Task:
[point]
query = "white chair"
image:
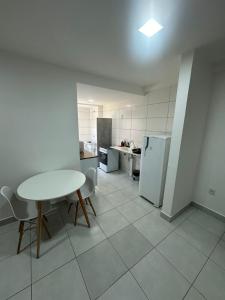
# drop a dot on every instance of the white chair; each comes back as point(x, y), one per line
point(23, 211)
point(87, 190)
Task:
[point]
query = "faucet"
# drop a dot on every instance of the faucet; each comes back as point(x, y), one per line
point(132, 145)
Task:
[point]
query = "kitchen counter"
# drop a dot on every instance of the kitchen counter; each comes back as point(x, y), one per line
point(88, 155)
point(126, 150)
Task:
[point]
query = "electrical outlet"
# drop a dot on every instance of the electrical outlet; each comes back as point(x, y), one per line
point(212, 192)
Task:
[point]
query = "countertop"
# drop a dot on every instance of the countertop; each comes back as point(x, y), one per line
point(125, 150)
point(87, 155)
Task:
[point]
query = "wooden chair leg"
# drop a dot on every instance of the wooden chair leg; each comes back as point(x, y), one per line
point(69, 208)
point(46, 228)
point(39, 227)
point(76, 213)
point(89, 200)
point(21, 230)
point(45, 218)
point(83, 207)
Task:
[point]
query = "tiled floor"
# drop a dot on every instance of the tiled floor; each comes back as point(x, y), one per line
point(129, 253)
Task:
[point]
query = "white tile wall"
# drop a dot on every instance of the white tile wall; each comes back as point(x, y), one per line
point(87, 116)
point(151, 115)
point(156, 124)
point(158, 110)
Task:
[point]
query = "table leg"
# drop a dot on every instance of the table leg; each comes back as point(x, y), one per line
point(39, 227)
point(83, 207)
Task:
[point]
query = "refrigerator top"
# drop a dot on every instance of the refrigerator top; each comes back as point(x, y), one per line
point(164, 137)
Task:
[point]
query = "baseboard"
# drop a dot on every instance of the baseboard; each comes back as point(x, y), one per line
point(171, 218)
point(165, 216)
point(209, 211)
point(7, 221)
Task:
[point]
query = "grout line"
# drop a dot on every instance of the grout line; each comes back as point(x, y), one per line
point(68, 236)
point(192, 285)
point(190, 243)
point(23, 289)
point(196, 223)
point(129, 269)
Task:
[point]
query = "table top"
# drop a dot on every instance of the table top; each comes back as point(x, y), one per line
point(51, 185)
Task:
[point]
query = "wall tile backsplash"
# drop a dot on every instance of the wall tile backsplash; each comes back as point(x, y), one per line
point(87, 115)
point(153, 115)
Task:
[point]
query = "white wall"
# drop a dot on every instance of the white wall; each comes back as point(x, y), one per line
point(38, 121)
point(152, 114)
point(192, 102)
point(211, 174)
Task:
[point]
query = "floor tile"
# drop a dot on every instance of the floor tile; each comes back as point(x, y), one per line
point(131, 245)
point(193, 294)
point(223, 237)
point(55, 222)
point(23, 295)
point(9, 227)
point(101, 205)
point(210, 282)
point(197, 236)
point(111, 222)
point(106, 188)
point(126, 288)
point(218, 255)
point(54, 253)
point(159, 279)
point(132, 211)
point(15, 274)
point(10, 242)
point(117, 198)
point(122, 183)
point(208, 222)
point(146, 205)
point(153, 227)
point(101, 266)
point(130, 192)
point(64, 283)
point(184, 216)
point(68, 219)
point(186, 258)
point(84, 238)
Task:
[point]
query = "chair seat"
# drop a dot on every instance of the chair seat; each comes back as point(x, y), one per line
point(86, 191)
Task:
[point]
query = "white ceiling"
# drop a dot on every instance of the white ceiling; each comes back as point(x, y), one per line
point(101, 36)
point(102, 96)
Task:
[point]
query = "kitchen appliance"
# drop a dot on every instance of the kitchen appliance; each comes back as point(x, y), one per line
point(104, 132)
point(108, 159)
point(154, 160)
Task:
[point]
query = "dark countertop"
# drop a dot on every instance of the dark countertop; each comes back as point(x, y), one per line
point(88, 155)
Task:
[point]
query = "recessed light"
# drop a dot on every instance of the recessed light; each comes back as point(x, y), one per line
point(90, 100)
point(150, 28)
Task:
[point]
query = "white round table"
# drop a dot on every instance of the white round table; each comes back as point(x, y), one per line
point(51, 185)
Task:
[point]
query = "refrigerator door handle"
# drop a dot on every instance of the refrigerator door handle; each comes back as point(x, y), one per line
point(147, 143)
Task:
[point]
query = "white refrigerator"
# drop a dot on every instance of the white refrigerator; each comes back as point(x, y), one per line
point(154, 160)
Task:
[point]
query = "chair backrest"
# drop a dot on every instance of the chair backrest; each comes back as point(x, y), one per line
point(92, 175)
point(8, 195)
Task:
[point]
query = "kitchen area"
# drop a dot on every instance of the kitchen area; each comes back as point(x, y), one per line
point(124, 136)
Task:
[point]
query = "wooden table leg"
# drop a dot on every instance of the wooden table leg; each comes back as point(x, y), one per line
point(83, 207)
point(39, 227)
